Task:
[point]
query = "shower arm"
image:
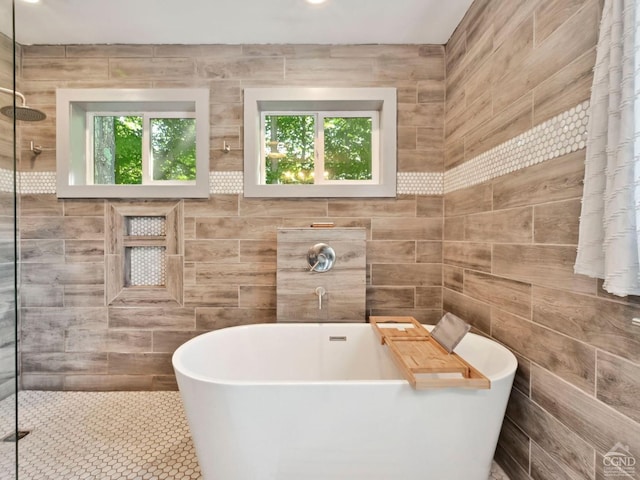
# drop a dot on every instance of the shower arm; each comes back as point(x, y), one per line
point(17, 94)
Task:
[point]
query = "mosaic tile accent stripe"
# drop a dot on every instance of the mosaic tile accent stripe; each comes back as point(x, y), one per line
point(226, 182)
point(37, 182)
point(557, 136)
point(6, 180)
point(45, 182)
point(419, 183)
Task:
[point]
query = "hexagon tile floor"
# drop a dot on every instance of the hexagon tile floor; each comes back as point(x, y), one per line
point(104, 436)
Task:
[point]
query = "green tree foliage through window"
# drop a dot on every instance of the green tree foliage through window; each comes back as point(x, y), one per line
point(118, 152)
point(290, 143)
point(173, 144)
point(128, 142)
point(347, 148)
point(290, 150)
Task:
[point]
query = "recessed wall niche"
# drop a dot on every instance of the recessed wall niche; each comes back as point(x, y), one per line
point(144, 253)
point(145, 264)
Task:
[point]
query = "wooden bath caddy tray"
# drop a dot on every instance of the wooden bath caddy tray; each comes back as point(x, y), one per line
point(420, 356)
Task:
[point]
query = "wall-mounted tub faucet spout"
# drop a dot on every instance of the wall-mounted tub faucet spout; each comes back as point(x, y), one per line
point(320, 291)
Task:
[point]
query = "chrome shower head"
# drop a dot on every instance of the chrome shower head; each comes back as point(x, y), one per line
point(22, 112)
point(25, 113)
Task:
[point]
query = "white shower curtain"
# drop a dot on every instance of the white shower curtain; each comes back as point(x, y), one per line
point(610, 219)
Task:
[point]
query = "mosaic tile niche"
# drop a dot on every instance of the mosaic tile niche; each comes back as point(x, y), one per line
point(144, 252)
point(147, 265)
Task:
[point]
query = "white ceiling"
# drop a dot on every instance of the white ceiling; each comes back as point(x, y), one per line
point(233, 21)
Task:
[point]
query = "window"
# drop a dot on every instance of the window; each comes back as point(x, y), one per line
point(312, 142)
point(319, 148)
point(141, 148)
point(133, 143)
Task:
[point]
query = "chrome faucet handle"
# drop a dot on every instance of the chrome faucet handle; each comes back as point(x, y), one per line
point(321, 258)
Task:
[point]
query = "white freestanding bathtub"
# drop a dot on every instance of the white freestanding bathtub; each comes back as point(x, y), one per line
point(326, 402)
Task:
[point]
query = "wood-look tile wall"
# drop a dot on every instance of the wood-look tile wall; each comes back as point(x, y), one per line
point(8, 316)
point(509, 244)
point(73, 340)
point(344, 284)
point(7, 299)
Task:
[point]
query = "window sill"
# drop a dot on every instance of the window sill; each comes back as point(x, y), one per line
point(200, 190)
point(388, 189)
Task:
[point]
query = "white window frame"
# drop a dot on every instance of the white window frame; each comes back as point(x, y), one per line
point(74, 137)
point(378, 103)
point(147, 155)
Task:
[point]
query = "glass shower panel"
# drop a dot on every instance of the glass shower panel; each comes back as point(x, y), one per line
point(8, 314)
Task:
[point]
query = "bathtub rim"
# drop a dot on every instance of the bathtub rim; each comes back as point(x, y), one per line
point(178, 365)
